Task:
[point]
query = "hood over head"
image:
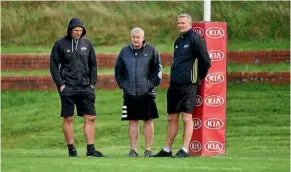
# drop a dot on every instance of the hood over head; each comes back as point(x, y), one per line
point(75, 22)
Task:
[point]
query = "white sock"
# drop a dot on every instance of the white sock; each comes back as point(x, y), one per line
point(185, 149)
point(166, 149)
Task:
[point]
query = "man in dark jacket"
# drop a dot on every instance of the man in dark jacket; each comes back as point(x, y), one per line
point(190, 66)
point(73, 68)
point(138, 72)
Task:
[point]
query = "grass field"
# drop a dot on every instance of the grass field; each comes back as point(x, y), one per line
point(231, 68)
point(234, 45)
point(257, 134)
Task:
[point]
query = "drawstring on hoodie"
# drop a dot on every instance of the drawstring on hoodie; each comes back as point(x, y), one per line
point(76, 42)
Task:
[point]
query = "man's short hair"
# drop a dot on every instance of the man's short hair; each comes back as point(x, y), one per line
point(136, 30)
point(185, 15)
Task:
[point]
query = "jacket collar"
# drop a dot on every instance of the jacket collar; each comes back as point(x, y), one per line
point(182, 35)
point(143, 45)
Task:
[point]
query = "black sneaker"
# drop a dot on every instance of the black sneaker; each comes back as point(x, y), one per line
point(132, 153)
point(94, 154)
point(148, 153)
point(181, 154)
point(73, 153)
point(162, 153)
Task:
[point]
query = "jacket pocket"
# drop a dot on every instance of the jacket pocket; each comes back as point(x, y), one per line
point(89, 89)
point(121, 84)
point(66, 91)
point(144, 87)
point(125, 86)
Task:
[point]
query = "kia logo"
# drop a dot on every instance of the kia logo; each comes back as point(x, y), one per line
point(215, 32)
point(216, 55)
point(213, 123)
point(195, 146)
point(196, 123)
point(214, 101)
point(214, 78)
point(213, 146)
point(198, 100)
point(199, 30)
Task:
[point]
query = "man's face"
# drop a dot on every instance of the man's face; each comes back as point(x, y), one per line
point(183, 24)
point(77, 32)
point(137, 39)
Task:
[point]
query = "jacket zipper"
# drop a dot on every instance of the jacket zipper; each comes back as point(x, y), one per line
point(63, 73)
point(63, 76)
point(135, 74)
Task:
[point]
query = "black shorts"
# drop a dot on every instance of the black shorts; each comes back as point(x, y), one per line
point(139, 109)
point(181, 98)
point(84, 101)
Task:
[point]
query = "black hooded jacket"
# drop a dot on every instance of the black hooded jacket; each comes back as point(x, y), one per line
point(73, 62)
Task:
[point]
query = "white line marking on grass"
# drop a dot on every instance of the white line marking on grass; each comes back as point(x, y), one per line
point(163, 166)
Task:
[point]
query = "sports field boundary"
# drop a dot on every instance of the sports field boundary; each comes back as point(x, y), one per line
point(41, 61)
point(23, 83)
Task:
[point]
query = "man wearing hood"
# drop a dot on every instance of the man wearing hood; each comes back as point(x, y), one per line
point(73, 68)
point(138, 71)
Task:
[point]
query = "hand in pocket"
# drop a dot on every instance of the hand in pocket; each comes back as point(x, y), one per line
point(62, 88)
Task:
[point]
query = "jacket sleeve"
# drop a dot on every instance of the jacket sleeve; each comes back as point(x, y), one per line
point(92, 64)
point(55, 63)
point(204, 62)
point(118, 71)
point(156, 76)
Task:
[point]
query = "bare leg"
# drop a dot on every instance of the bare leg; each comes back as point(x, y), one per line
point(89, 128)
point(149, 133)
point(173, 124)
point(68, 129)
point(188, 129)
point(133, 133)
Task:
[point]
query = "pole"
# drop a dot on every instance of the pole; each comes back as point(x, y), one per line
point(207, 10)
